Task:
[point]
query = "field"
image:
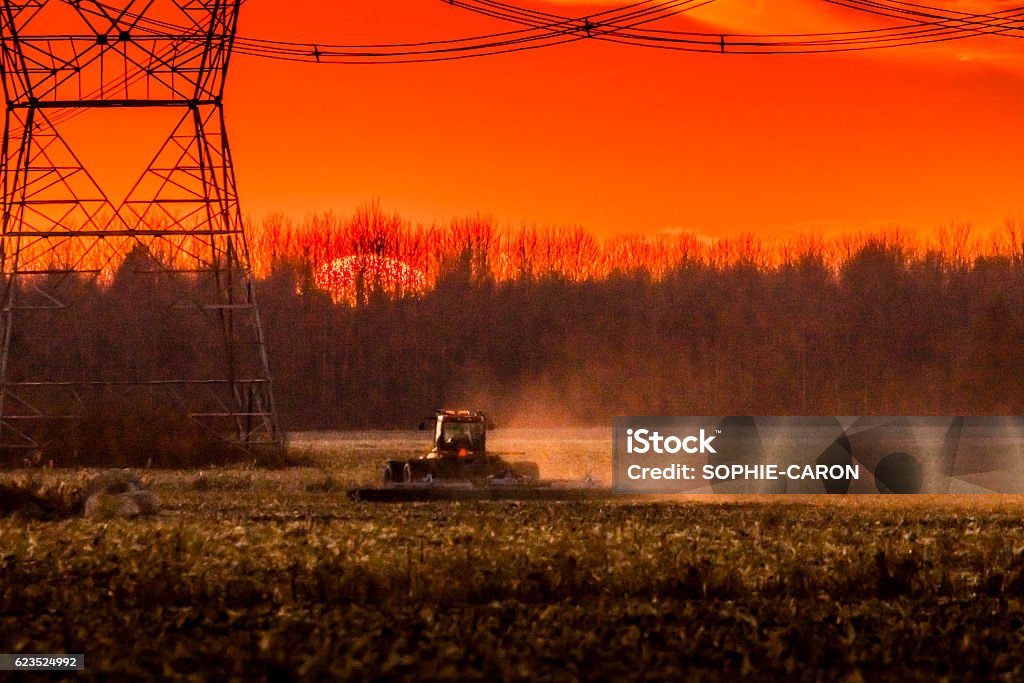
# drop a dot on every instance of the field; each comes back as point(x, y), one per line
point(272, 574)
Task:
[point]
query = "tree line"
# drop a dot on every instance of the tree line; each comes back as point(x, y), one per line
point(884, 333)
point(559, 327)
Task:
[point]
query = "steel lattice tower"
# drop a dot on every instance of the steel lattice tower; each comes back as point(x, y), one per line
point(60, 229)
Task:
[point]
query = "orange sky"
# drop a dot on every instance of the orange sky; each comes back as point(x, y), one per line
point(614, 138)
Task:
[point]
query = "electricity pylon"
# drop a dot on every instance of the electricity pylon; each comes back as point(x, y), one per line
point(62, 233)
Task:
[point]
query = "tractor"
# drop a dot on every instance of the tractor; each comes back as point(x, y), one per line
point(459, 454)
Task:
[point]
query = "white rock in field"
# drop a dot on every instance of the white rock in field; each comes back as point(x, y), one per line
point(119, 493)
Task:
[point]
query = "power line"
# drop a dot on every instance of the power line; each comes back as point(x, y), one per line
point(622, 25)
point(557, 30)
point(929, 25)
point(628, 25)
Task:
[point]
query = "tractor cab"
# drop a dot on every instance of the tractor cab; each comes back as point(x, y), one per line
point(458, 434)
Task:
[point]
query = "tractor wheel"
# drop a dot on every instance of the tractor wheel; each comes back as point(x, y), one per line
point(529, 470)
point(415, 471)
point(394, 472)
